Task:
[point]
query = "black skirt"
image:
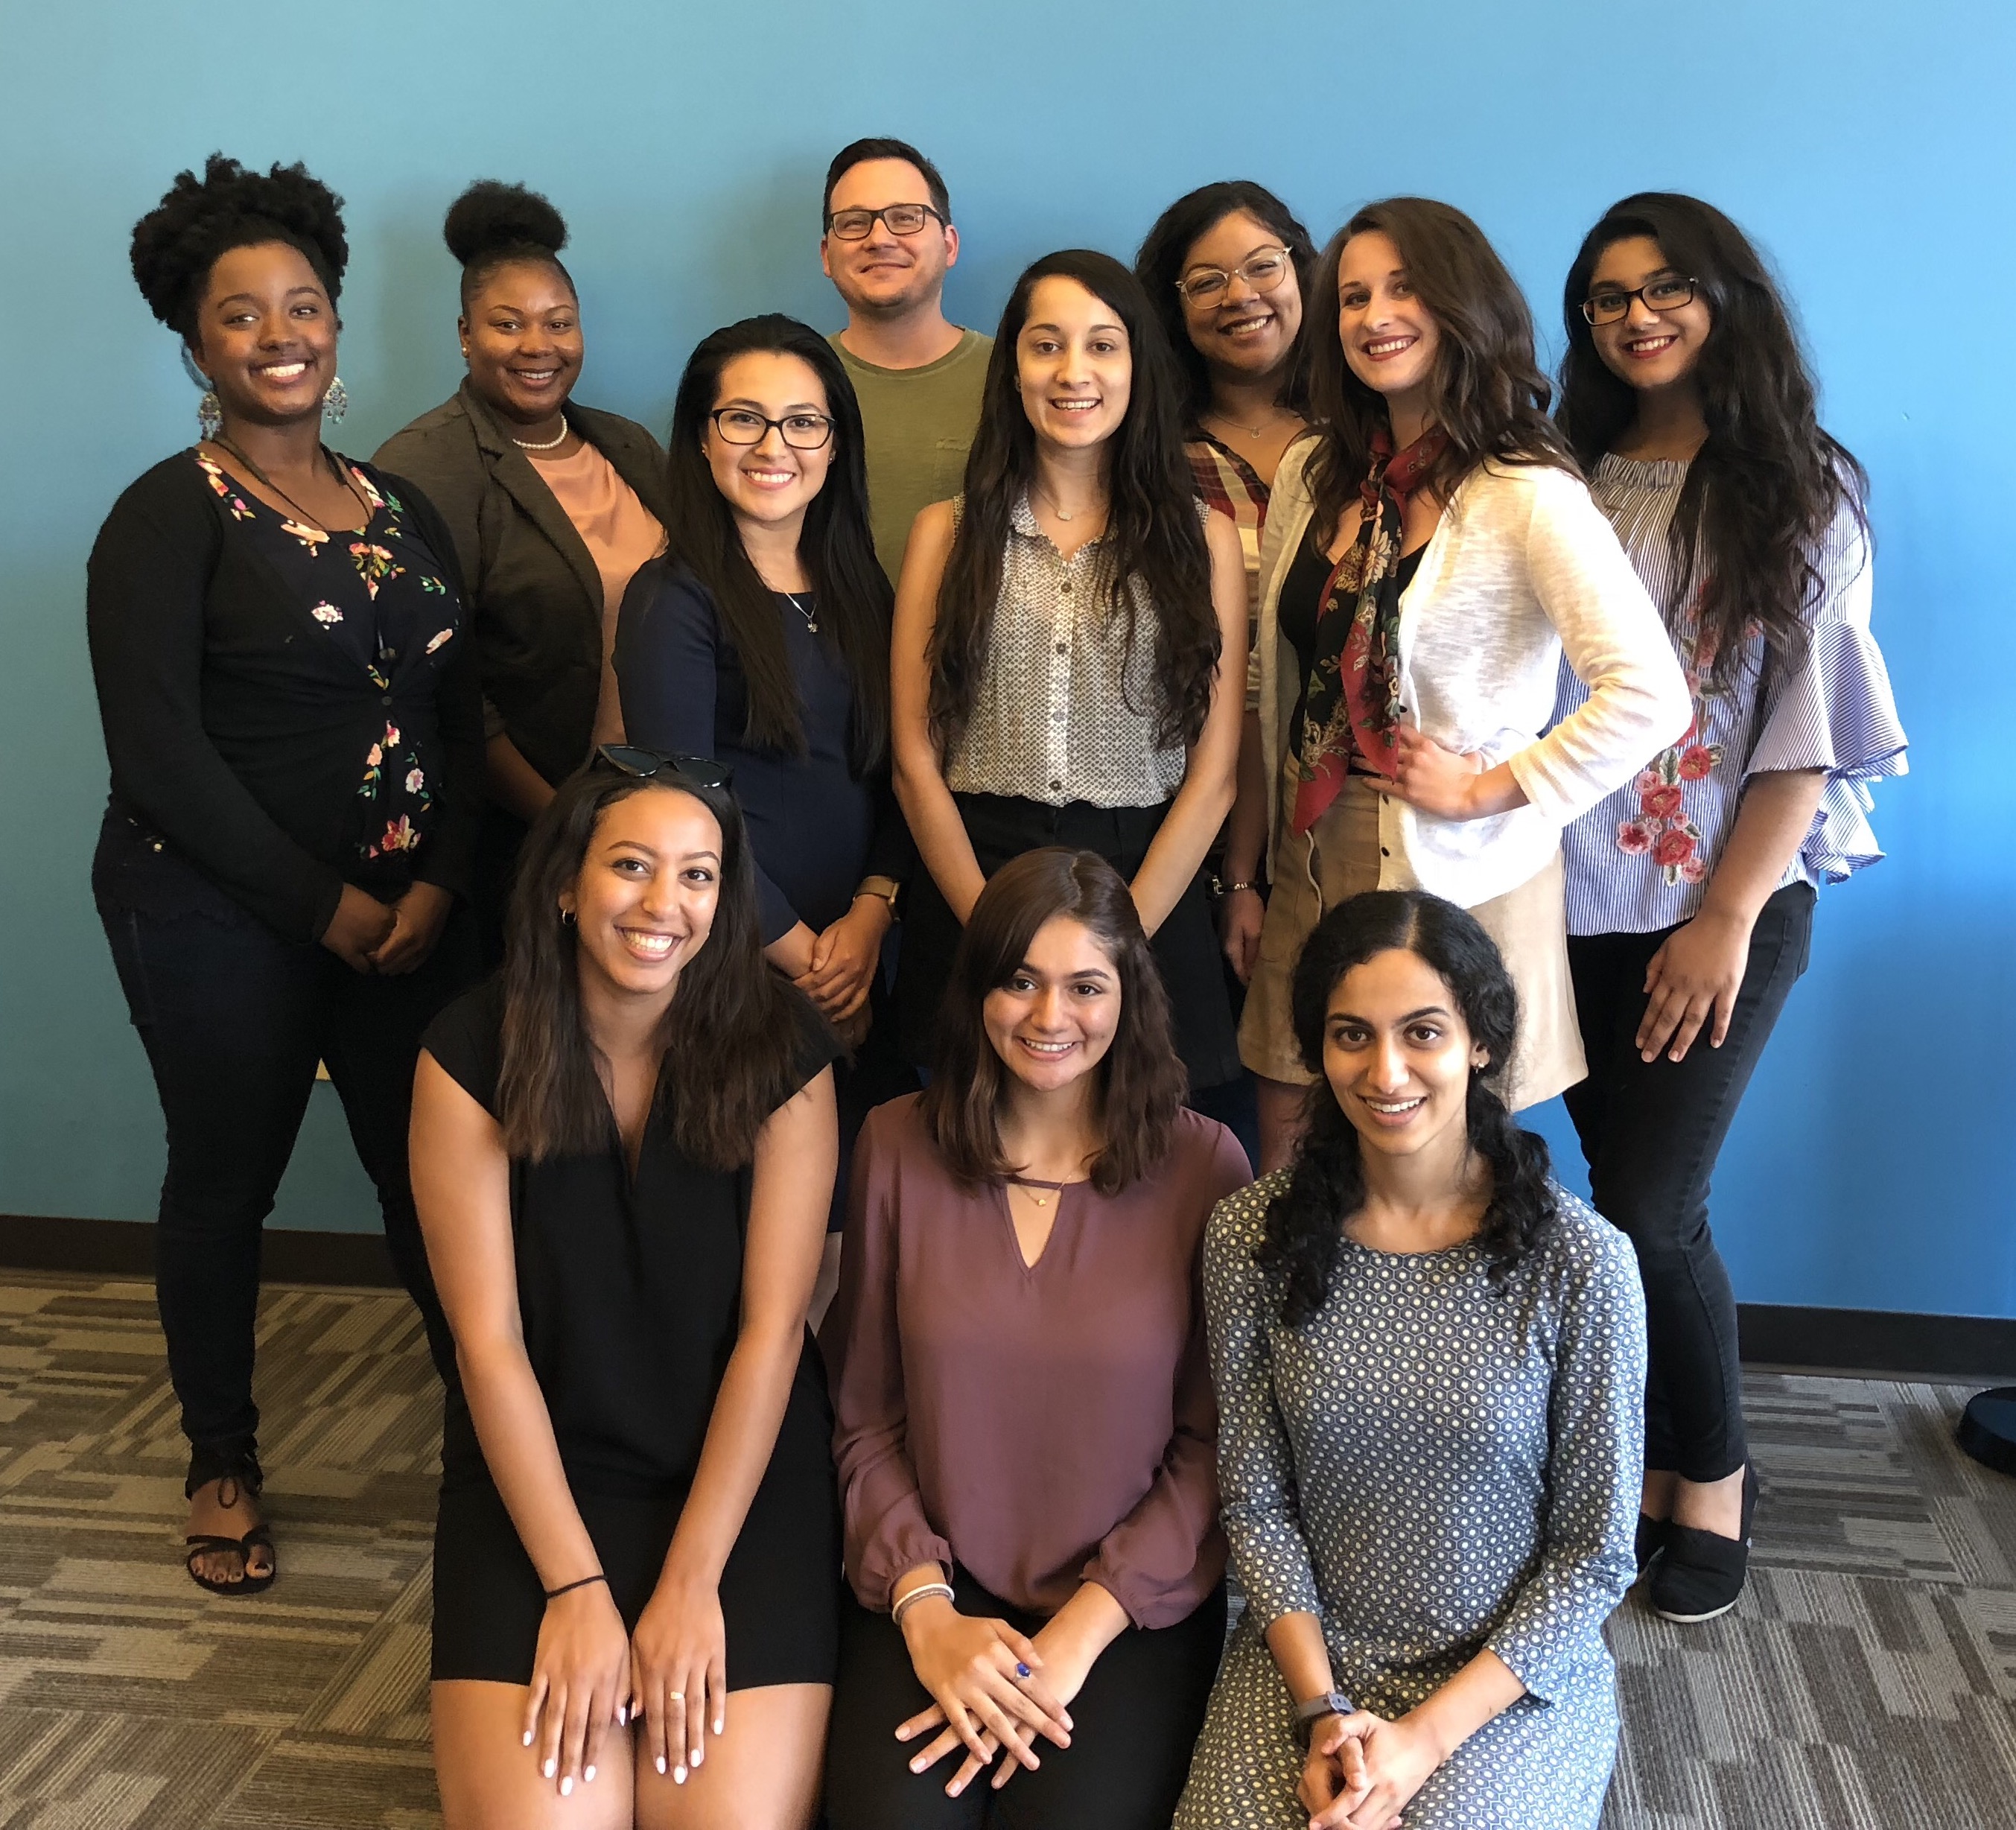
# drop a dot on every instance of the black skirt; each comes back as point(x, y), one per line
point(780, 1589)
point(1185, 946)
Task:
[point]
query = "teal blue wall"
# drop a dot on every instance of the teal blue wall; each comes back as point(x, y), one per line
point(1869, 146)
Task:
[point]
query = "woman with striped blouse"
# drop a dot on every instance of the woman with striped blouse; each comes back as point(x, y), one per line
point(1690, 891)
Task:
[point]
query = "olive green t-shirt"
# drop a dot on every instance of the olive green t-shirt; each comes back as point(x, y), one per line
point(917, 424)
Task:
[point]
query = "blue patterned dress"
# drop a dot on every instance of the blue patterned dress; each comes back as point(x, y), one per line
point(1431, 1467)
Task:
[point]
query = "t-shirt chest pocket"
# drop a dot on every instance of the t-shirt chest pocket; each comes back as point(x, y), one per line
point(948, 467)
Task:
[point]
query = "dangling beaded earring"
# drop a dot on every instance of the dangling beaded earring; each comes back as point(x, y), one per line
point(336, 403)
point(209, 411)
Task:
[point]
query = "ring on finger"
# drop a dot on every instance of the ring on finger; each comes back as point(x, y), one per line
point(675, 1696)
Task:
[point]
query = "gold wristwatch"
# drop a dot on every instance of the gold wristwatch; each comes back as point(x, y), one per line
point(886, 887)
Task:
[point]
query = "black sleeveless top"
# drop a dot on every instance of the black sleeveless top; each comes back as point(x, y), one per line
point(629, 1292)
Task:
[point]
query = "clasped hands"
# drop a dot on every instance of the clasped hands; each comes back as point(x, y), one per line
point(994, 1691)
point(836, 969)
point(387, 939)
point(1362, 1771)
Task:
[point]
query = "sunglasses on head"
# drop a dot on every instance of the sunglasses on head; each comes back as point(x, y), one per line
point(643, 766)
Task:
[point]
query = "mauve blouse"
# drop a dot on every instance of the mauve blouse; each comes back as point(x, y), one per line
point(1042, 1427)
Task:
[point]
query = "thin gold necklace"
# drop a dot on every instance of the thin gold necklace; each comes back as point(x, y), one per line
point(1059, 510)
point(1251, 431)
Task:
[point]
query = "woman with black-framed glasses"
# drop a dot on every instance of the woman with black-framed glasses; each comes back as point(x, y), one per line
point(761, 637)
point(1690, 890)
point(623, 1150)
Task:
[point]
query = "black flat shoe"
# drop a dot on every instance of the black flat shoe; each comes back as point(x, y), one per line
point(203, 1543)
point(1651, 1541)
point(1701, 1573)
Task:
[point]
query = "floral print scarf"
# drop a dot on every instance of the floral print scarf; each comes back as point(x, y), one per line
point(1352, 701)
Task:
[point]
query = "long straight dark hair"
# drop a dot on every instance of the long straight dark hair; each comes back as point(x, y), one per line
point(1487, 391)
point(1141, 1081)
point(835, 546)
point(1152, 525)
point(733, 1034)
point(1304, 1239)
point(1770, 479)
point(1166, 252)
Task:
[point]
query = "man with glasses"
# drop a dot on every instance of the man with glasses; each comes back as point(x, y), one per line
point(888, 238)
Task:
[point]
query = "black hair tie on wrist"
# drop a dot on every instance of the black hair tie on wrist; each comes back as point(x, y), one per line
point(569, 1587)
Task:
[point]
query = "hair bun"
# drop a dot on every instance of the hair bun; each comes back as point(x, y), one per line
point(492, 217)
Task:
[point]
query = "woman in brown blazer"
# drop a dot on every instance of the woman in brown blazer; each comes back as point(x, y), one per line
point(552, 507)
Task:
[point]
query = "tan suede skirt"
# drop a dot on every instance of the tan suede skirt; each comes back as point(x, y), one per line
point(1339, 858)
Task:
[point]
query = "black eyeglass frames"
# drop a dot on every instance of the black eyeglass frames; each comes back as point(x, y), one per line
point(644, 766)
point(1666, 293)
point(901, 219)
point(745, 426)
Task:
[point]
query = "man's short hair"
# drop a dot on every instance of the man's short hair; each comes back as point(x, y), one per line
point(862, 151)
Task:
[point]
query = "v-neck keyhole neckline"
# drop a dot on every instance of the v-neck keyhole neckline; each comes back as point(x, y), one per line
point(1050, 1204)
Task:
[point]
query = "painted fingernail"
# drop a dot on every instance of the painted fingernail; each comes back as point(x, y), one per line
point(622, 1717)
point(587, 1773)
point(661, 1763)
point(551, 1767)
point(528, 1737)
point(698, 1755)
point(678, 1775)
point(566, 1786)
point(721, 1725)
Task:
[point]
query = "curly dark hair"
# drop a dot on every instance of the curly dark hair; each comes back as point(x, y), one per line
point(1153, 525)
point(492, 224)
point(1166, 251)
point(834, 545)
point(1305, 1226)
point(1769, 480)
point(198, 220)
point(1487, 391)
point(732, 1035)
point(1142, 1082)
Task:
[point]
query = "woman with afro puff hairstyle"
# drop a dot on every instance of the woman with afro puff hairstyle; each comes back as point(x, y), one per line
point(553, 506)
point(295, 736)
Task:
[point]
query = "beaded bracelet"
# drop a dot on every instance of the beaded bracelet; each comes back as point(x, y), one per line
point(569, 1587)
point(917, 1594)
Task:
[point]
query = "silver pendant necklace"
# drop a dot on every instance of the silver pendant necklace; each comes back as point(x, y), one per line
point(811, 616)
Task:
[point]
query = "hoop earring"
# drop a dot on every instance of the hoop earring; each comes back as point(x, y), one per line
point(336, 403)
point(209, 414)
point(566, 918)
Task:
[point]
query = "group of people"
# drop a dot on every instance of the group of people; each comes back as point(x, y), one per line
point(894, 861)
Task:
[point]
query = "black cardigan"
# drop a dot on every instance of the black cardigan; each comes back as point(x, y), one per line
point(224, 726)
point(535, 594)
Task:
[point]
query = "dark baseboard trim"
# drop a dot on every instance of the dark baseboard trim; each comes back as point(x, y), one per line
point(1885, 1342)
point(1881, 1341)
point(41, 1242)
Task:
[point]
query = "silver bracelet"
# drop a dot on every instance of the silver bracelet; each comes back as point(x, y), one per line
point(917, 1594)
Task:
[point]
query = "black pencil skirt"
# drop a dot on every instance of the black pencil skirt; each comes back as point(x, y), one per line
point(1185, 946)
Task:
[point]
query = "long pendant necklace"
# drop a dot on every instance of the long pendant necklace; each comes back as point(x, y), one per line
point(259, 476)
point(1028, 1184)
point(811, 616)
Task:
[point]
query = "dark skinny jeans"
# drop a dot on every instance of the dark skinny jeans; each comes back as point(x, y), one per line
point(1651, 1132)
point(234, 1019)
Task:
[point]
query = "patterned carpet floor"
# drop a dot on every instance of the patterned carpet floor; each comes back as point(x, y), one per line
point(1867, 1682)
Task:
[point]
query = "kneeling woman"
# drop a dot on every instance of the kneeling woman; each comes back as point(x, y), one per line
point(1428, 1357)
point(624, 1149)
point(1024, 1418)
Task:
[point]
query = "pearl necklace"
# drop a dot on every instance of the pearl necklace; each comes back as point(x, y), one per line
point(544, 444)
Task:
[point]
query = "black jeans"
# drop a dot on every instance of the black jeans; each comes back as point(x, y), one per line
point(1134, 1725)
point(234, 1019)
point(1651, 1132)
